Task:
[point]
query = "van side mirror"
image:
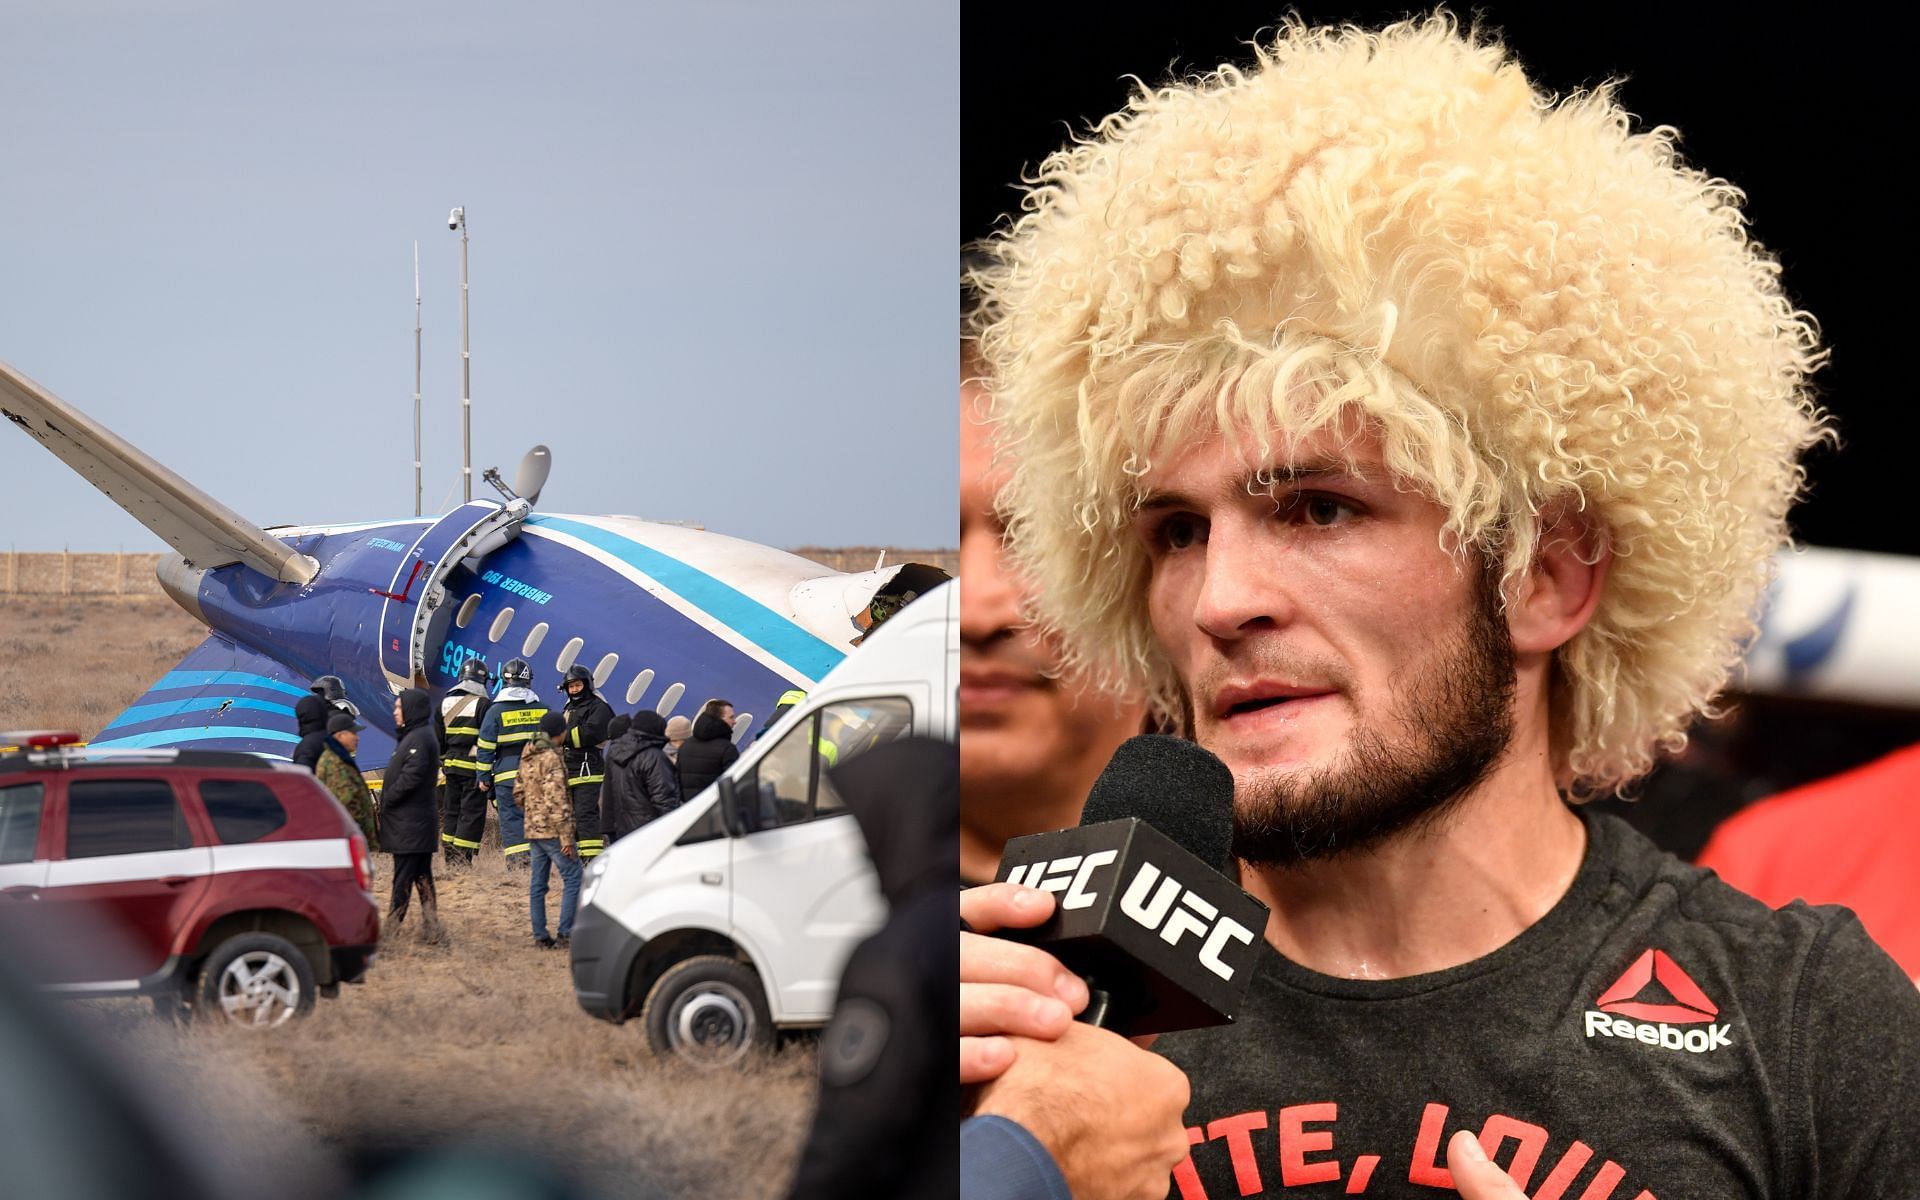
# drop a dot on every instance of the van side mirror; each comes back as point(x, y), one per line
point(736, 808)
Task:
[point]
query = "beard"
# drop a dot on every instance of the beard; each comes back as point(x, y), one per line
point(1456, 718)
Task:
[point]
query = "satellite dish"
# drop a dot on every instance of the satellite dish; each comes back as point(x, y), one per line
point(532, 475)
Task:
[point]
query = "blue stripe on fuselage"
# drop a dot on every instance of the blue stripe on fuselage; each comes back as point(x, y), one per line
point(176, 737)
point(195, 679)
point(168, 708)
point(765, 628)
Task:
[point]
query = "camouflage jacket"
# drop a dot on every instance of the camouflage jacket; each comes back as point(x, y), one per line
point(541, 791)
point(344, 780)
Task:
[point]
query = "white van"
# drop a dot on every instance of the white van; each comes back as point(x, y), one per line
point(733, 915)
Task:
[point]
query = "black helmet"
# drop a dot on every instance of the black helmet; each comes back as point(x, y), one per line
point(329, 688)
point(576, 671)
point(517, 673)
point(474, 670)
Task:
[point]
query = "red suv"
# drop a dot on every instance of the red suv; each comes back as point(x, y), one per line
point(233, 884)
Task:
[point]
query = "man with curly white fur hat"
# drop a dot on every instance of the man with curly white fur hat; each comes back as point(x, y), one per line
point(1419, 444)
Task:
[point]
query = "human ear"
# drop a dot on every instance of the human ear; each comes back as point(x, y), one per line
point(1562, 586)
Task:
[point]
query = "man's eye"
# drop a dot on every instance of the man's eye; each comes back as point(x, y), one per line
point(1322, 510)
point(1180, 532)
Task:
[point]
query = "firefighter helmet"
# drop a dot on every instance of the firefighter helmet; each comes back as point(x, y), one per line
point(518, 673)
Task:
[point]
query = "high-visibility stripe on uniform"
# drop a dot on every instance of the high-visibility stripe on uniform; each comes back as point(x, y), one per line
point(590, 848)
point(484, 744)
point(463, 730)
point(462, 843)
point(790, 696)
point(577, 780)
point(504, 776)
point(522, 848)
point(509, 739)
point(463, 763)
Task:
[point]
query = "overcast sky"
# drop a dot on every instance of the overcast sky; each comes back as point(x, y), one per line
point(712, 258)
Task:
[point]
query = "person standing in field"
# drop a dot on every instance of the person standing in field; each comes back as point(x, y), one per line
point(549, 816)
point(408, 826)
point(340, 774)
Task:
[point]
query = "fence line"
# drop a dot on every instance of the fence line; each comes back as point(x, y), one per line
point(64, 573)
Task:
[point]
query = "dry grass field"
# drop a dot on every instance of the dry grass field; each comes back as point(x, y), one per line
point(476, 1043)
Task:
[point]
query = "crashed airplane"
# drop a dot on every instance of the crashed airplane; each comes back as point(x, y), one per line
point(652, 609)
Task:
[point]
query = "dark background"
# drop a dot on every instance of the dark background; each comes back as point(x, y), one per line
point(1811, 119)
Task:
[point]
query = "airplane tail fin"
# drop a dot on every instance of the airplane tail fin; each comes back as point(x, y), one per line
point(206, 532)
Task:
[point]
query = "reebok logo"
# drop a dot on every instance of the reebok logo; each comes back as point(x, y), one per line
point(1656, 990)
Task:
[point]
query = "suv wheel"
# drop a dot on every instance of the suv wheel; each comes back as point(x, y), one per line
point(709, 1011)
point(256, 980)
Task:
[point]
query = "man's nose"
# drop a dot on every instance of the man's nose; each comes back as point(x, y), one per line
point(989, 591)
point(1244, 584)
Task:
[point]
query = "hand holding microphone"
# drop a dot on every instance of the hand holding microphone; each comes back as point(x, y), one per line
point(1166, 942)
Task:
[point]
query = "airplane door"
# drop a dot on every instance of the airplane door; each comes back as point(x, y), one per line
point(804, 889)
point(414, 614)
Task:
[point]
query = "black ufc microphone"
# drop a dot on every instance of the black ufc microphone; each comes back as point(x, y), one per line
point(1163, 939)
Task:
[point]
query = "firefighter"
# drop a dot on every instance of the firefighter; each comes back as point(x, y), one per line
point(510, 724)
point(463, 806)
point(588, 719)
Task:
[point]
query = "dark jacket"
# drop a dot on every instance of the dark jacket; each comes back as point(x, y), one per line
point(307, 753)
point(640, 779)
point(408, 819)
point(587, 719)
point(704, 755)
point(879, 1129)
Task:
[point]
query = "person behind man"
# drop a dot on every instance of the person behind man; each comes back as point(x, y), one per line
point(1419, 444)
point(1031, 741)
point(679, 729)
point(327, 696)
point(340, 774)
point(463, 807)
point(542, 791)
point(588, 717)
point(709, 751)
point(640, 778)
point(510, 724)
point(408, 830)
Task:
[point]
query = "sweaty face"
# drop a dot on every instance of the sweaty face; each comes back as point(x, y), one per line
point(1354, 676)
point(1018, 726)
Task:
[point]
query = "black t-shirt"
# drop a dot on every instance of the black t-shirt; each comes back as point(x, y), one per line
point(1656, 1034)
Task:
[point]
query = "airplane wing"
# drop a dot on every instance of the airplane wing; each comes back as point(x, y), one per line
point(223, 696)
point(206, 532)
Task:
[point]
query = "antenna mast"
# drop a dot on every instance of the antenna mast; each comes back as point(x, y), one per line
point(416, 377)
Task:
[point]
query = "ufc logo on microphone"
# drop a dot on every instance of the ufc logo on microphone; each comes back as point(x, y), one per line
point(1067, 875)
point(1156, 909)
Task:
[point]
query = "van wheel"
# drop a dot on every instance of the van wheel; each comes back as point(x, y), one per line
point(709, 1011)
point(257, 981)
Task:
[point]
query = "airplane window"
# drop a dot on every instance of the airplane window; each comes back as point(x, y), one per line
point(500, 624)
point(568, 653)
point(671, 698)
point(639, 686)
point(535, 636)
point(742, 726)
point(468, 607)
point(604, 670)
